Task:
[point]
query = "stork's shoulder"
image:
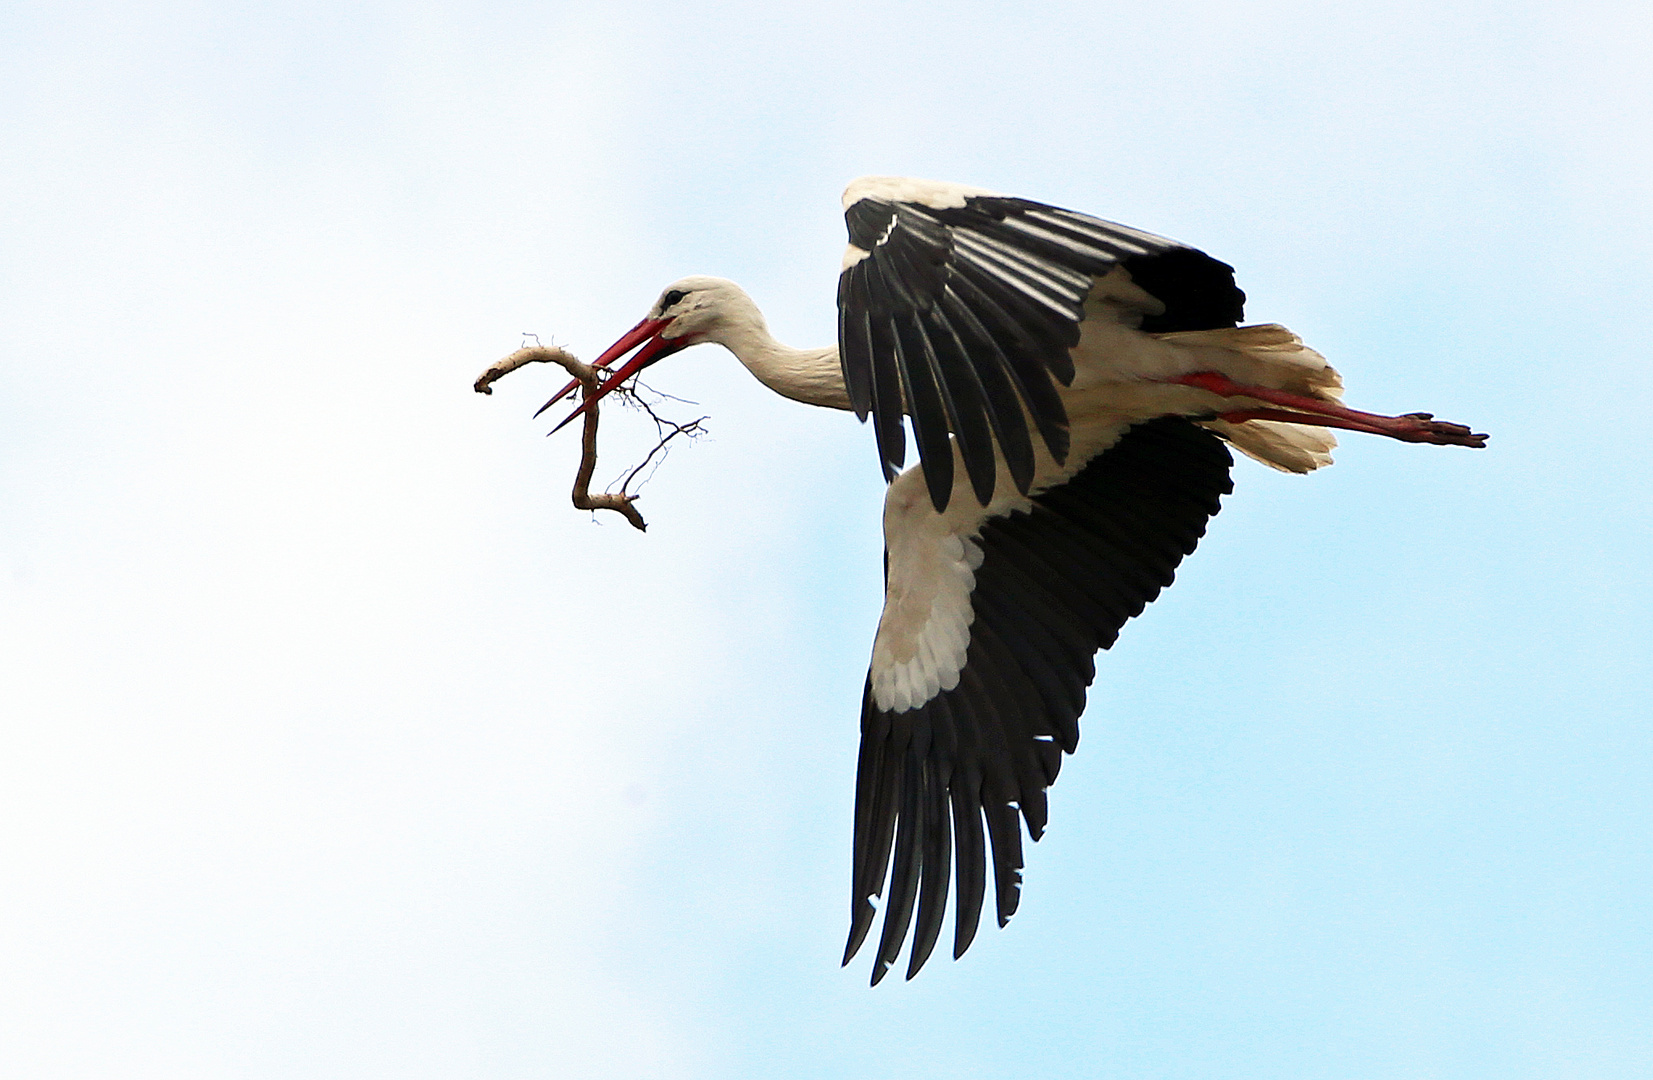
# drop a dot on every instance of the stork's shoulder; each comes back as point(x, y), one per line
point(936, 194)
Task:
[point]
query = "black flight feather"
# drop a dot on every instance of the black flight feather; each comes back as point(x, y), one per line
point(941, 784)
point(1022, 271)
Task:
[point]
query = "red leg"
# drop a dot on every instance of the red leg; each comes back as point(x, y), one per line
point(1301, 409)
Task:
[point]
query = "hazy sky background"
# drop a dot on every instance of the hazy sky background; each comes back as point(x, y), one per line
point(337, 744)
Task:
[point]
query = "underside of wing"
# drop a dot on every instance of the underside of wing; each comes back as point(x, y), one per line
point(941, 782)
point(960, 312)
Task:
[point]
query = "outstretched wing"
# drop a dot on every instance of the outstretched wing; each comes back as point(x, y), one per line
point(968, 718)
point(958, 307)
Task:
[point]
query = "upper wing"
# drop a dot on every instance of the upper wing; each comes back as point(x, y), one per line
point(959, 308)
point(968, 717)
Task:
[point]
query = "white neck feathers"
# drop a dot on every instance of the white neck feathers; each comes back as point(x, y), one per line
point(812, 376)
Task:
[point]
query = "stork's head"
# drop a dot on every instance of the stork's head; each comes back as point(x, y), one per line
point(689, 311)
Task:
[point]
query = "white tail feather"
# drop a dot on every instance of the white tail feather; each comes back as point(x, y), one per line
point(1292, 448)
point(1270, 355)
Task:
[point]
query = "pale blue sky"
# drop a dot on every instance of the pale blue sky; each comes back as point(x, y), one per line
point(336, 744)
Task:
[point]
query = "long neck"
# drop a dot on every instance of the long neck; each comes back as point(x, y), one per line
point(812, 376)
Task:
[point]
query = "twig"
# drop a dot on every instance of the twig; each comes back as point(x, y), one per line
point(640, 387)
point(619, 501)
point(691, 429)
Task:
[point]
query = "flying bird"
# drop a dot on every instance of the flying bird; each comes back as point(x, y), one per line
point(1073, 387)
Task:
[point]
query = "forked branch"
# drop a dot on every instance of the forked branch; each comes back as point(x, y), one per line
point(621, 502)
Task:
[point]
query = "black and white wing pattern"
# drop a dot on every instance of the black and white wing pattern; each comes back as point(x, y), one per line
point(958, 307)
point(973, 726)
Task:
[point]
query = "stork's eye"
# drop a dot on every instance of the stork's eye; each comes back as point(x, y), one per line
point(671, 298)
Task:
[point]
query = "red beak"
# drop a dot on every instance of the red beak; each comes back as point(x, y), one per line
point(654, 347)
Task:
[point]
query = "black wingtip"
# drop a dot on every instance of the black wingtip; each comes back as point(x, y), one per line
point(860, 922)
point(919, 956)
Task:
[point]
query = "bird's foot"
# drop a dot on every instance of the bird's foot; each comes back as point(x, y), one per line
point(1440, 432)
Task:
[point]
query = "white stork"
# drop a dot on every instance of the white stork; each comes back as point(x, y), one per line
point(1071, 385)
